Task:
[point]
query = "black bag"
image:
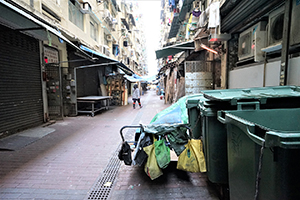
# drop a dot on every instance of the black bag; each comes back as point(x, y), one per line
point(125, 153)
point(141, 156)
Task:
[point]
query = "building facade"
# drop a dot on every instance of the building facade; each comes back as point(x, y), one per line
point(54, 51)
point(233, 44)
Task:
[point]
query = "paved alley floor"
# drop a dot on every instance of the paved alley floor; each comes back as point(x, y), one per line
point(77, 159)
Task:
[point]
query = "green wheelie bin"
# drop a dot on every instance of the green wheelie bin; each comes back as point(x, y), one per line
point(263, 153)
point(214, 133)
point(194, 114)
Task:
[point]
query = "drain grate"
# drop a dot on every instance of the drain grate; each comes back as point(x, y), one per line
point(103, 186)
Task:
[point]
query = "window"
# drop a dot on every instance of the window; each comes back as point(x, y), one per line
point(75, 14)
point(106, 42)
point(106, 5)
point(50, 12)
point(94, 29)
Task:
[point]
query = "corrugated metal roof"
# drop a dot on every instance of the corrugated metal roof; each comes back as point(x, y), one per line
point(116, 62)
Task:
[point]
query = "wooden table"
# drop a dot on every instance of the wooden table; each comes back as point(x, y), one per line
point(93, 100)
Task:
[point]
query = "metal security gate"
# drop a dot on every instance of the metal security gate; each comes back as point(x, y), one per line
point(21, 103)
point(54, 92)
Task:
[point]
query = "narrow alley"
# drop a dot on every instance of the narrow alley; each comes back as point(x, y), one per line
point(68, 160)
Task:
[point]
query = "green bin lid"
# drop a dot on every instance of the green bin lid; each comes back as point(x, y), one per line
point(259, 93)
point(193, 100)
point(275, 127)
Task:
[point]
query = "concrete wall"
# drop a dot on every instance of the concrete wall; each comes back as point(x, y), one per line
point(253, 76)
point(246, 77)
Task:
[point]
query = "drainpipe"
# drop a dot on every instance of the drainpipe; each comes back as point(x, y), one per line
point(265, 70)
point(285, 43)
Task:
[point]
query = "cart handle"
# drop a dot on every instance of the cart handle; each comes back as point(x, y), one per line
point(133, 126)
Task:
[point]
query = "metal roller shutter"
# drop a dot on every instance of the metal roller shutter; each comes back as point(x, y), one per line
point(21, 103)
point(241, 14)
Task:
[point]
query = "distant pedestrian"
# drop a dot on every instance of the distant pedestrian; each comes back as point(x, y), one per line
point(136, 96)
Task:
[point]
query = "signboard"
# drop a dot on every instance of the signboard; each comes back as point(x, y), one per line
point(51, 55)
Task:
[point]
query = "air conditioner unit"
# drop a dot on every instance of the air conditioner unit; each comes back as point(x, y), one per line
point(295, 26)
point(251, 42)
point(105, 50)
point(107, 16)
point(113, 27)
point(99, 48)
point(275, 27)
point(86, 7)
point(109, 37)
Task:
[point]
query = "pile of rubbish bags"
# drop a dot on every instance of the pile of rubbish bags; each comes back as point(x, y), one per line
point(168, 131)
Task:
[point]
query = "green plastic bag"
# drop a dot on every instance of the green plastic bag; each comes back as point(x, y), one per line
point(162, 153)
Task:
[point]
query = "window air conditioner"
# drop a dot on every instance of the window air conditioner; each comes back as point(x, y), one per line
point(251, 42)
point(107, 16)
point(99, 48)
point(275, 27)
point(105, 50)
point(113, 27)
point(109, 37)
point(86, 7)
point(295, 26)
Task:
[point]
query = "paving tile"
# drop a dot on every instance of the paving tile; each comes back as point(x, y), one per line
point(66, 163)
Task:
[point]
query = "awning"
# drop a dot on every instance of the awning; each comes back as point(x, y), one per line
point(174, 49)
point(134, 78)
point(112, 61)
point(178, 19)
point(132, 19)
point(19, 20)
point(125, 23)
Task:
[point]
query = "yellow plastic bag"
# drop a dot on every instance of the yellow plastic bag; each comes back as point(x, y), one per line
point(192, 158)
point(151, 167)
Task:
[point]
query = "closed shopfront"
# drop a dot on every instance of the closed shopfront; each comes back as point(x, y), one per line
point(21, 102)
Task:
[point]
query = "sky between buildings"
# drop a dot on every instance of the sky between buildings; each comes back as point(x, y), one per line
point(151, 17)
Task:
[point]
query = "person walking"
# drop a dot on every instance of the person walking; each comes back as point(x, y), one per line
point(136, 96)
